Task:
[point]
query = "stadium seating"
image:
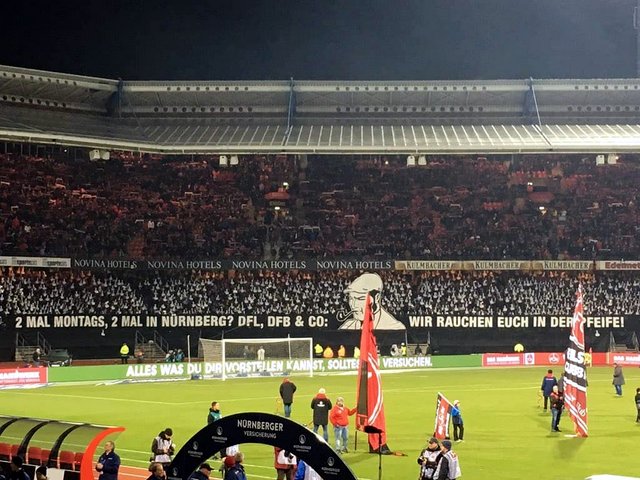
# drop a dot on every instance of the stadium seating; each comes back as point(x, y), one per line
point(34, 456)
point(67, 459)
point(77, 461)
point(5, 451)
point(556, 207)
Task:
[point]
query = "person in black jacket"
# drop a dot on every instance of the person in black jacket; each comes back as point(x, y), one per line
point(108, 463)
point(638, 404)
point(287, 389)
point(321, 406)
point(17, 473)
point(203, 472)
point(429, 459)
point(548, 382)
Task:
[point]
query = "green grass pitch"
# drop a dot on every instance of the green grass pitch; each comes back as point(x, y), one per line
point(507, 435)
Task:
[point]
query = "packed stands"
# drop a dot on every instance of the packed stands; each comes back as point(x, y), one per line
point(34, 291)
point(551, 207)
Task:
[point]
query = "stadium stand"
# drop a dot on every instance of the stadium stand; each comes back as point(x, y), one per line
point(555, 207)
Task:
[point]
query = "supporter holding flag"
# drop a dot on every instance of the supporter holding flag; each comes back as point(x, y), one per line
point(458, 424)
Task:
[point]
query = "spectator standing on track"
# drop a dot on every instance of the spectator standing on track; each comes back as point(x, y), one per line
point(124, 353)
point(637, 399)
point(109, 462)
point(321, 407)
point(287, 389)
point(548, 382)
point(618, 378)
point(163, 447)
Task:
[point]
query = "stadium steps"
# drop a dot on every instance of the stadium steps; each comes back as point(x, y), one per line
point(24, 353)
point(152, 350)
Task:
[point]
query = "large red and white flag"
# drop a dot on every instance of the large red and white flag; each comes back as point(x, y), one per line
point(443, 417)
point(370, 406)
point(575, 373)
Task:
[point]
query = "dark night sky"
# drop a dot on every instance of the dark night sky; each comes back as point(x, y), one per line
point(322, 39)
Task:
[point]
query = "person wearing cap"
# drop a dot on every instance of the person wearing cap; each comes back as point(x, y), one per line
point(237, 471)
point(109, 462)
point(163, 447)
point(287, 389)
point(448, 466)
point(428, 459)
point(321, 407)
point(17, 473)
point(339, 418)
point(357, 291)
point(458, 424)
point(203, 472)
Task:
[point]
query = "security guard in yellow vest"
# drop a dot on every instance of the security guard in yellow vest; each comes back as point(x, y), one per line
point(124, 353)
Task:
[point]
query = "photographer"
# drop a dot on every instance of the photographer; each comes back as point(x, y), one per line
point(428, 459)
point(163, 447)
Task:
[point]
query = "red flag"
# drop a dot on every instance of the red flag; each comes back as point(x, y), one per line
point(575, 374)
point(443, 417)
point(370, 407)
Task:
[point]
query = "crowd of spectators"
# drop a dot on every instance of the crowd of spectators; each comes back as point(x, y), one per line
point(256, 292)
point(458, 207)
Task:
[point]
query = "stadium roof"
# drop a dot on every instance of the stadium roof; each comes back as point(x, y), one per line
point(425, 117)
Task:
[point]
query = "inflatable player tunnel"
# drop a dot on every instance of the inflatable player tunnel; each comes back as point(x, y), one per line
point(68, 450)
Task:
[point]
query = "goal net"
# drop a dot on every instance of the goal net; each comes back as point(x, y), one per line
point(251, 357)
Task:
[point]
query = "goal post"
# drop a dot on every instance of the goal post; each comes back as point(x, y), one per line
point(252, 357)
